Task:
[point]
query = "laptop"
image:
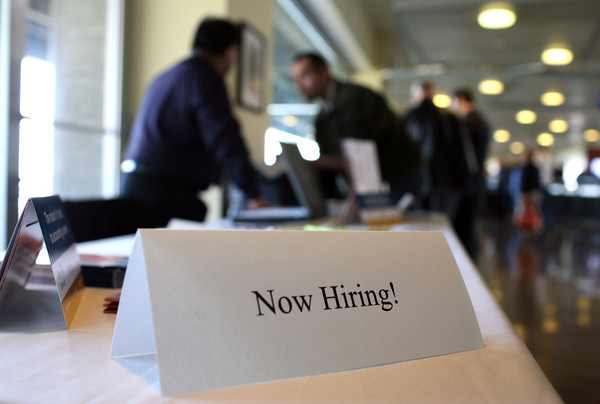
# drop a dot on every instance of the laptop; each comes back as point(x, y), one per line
point(306, 186)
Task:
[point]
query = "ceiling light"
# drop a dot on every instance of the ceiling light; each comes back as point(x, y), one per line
point(501, 136)
point(491, 87)
point(591, 135)
point(545, 139)
point(517, 147)
point(552, 99)
point(442, 100)
point(558, 126)
point(526, 116)
point(290, 120)
point(497, 15)
point(557, 56)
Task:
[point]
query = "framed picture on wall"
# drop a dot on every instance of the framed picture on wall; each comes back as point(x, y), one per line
point(251, 69)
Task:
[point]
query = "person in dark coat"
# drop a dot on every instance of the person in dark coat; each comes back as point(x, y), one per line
point(474, 135)
point(352, 111)
point(185, 135)
point(434, 130)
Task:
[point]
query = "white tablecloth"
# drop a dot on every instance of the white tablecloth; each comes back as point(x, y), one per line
point(75, 366)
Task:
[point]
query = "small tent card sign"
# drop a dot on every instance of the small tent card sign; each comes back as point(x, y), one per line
point(373, 200)
point(43, 224)
point(210, 309)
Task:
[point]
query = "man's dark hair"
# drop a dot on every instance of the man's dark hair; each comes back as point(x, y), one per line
point(316, 60)
point(464, 94)
point(215, 36)
point(427, 86)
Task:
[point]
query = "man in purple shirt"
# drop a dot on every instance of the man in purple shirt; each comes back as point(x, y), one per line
point(185, 135)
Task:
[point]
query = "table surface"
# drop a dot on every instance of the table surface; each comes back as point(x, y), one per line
point(75, 365)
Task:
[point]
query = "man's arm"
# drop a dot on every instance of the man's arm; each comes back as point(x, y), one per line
point(221, 134)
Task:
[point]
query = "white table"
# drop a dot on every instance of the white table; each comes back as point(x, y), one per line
point(75, 366)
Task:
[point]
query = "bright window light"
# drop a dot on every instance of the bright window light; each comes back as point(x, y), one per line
point(595, 166)
point(571, 170)
point(36, 160)
point(493, 167)
point(37, 89)
point(308, 148)
point(36, 131)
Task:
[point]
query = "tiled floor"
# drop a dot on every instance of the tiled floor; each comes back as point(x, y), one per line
point(549, 286)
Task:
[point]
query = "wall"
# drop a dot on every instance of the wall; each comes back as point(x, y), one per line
point(257, 13)
point(159, 33)
point(353, 15)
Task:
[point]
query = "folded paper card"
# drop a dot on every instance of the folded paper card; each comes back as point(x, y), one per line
point(375, 204)
point(363, 165)
point(204, 310)
point(43, 224)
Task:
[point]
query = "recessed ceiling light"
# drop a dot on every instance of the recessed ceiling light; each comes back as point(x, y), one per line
point(526, 117)
point(558, 126)
point(517, 147)
point(497, 15)
point(557, 56)
point(442, 100)
point(545, 139)
point(552, 99)
point(501, 136)
point(491, 87)
point(591, 135)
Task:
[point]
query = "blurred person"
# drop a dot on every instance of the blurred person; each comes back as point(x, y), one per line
point(184, 134)
point(545, 163)
point(588, 177)
point(474, 133)
point(434, 130)
point(501, 200)
point(352, 111)
point(528, 215)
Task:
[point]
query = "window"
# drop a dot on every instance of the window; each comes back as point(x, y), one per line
point(68, 135)
point(291, 117)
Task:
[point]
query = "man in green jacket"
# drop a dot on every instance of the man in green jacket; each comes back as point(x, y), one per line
point(352, 111)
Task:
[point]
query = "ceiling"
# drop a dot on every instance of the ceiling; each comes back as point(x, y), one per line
point(440, 40)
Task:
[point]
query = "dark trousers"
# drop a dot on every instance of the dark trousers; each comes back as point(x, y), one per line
point(411, 182)
point(465, 223)
point(93, 219)
point(165, 198)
